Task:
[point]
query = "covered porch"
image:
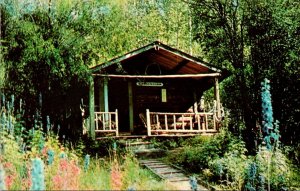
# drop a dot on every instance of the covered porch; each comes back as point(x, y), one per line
point(153, 91)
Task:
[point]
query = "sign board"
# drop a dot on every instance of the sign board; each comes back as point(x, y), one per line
point(150, 84)
point(163, 95)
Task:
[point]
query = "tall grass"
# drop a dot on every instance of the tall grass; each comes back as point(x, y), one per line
point(47, 164)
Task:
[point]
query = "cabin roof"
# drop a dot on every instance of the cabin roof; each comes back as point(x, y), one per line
point(172, 60)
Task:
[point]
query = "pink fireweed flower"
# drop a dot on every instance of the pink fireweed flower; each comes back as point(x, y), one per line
point(58, 182)
point(9, 180)
point(116, 177)
point(10, 174)
point(63, 164)
point(67, 177)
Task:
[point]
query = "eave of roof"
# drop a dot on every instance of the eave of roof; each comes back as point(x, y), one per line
point(155, 45)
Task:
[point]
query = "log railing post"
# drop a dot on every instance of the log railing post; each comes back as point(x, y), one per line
point(148, 122)
point(166, 122)
point(117, 123)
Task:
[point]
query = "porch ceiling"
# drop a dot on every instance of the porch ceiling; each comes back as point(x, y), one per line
point(170, 61)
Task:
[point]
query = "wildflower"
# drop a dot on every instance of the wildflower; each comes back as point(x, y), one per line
point(249, 187)
point(20, 105)
point(75, 170)
point(23, 149)
point(41, 143)
point(48, 123)
point(115, 146)
point(62, 155)
point(261, 183)
point(63, 163)
point(26, 178)
point(116, 177)
point(58, 128)
point(50, 158)
point(2, 178)
point(2, 149)
point(37, 175)
point(67, 176)
point(252, 169)
point(10, 174)
point(131, 189)
point(86, 162)
point(193, 183)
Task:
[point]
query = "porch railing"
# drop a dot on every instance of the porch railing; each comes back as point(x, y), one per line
point(173, 123)
point(107, 122)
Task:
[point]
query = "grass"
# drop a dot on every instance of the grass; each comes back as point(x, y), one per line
point(61, 168)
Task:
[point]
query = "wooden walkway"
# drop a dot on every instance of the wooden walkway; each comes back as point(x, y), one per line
point(175, 176)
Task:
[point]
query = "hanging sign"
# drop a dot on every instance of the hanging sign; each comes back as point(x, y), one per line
point(150, 84)
point(163, 95)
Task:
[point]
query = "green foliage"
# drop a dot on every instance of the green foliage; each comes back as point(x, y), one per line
point(131, 171)
point(273, 167)
point(223, 160)
point(36, 140)
point(165, 144)
point(253, 40)
point(49, 45)
point(80, 148)
point(22, 169)
point(198, 152)
point(230, 167)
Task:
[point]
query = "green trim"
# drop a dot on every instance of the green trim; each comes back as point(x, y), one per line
point(106, 109)
point(130, 97)
point(92, 108)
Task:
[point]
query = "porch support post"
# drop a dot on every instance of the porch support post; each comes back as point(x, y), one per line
point(92, 108)
point(101, 95)
point(217, 98)
point(130, 101)
point(106, 109)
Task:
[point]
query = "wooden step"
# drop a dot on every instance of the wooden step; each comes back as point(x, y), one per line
point(171, 174)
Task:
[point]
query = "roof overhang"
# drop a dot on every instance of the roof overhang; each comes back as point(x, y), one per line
point(172, 61)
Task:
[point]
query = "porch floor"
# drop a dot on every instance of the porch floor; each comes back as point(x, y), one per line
point(128, 135)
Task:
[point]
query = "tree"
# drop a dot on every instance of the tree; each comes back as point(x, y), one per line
point(252, 40)
point(46, 55)
point(49, 45)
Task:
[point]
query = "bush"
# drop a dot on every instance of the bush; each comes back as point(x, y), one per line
point(199, 151)
point(272, 167)
point(223, 160)
point(229, 169)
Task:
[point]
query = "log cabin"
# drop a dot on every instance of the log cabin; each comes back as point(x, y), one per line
point(154, 90)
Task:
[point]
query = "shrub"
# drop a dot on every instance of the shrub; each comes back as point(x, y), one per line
point(229, 169)
point(274, 167)
point(199, 151)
